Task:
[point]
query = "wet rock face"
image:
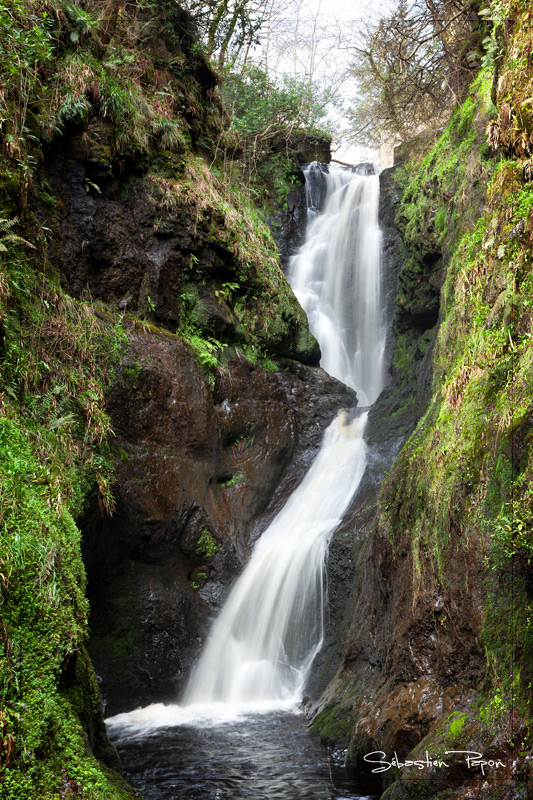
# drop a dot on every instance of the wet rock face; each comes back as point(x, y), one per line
point(289, 227)
point(409, 650)
point(108, 243)
point(427, 652)
point(199, 475)
point(125, 235)
point(118, 244)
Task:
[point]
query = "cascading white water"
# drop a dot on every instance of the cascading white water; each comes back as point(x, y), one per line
point(270, 628)
point(263, 643)
point(336, 276)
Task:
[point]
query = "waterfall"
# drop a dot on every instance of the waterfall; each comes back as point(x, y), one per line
point(270, 629)
point(263, 643)
point(336, 276)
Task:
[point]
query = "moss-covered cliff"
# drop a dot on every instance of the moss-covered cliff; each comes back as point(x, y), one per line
point(143, 313)
point(439, 656)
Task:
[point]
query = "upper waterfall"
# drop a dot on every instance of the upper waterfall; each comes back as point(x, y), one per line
point(336, 276)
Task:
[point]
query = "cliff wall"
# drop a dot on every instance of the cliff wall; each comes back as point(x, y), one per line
point(439, 649)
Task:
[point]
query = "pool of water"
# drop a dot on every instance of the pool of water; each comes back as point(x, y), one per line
point(264, 757)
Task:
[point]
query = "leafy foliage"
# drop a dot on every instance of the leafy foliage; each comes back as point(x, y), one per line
point(270, 109)
point(270, 119)
point(206, 545)
point(66, 61)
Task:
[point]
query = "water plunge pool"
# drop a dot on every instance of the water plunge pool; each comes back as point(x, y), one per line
point(262, 757)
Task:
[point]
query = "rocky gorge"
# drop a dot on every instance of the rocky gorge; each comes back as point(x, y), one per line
point(162, 397)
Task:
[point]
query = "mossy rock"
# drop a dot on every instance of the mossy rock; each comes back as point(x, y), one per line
point(334, 724)
point(80, 687)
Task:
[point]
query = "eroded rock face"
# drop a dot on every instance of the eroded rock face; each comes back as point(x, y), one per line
point(426, 656)
point(199, 475)
point(290, 227)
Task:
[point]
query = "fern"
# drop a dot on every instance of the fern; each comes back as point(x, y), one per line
point(8, 237)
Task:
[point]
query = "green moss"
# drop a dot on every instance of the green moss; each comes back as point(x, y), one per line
point(44, 614)
point(79, 686)
point(443, 184)
point(451, 733)
point(455, 728)
point(464, 475)
point(228, 483)
point(198, 577)
point(440, 221)
point(333, 724)
point(56, 360)
point(206, 545)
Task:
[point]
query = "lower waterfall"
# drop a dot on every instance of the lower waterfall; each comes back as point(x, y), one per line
point(270, 629)
point(262, 645)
